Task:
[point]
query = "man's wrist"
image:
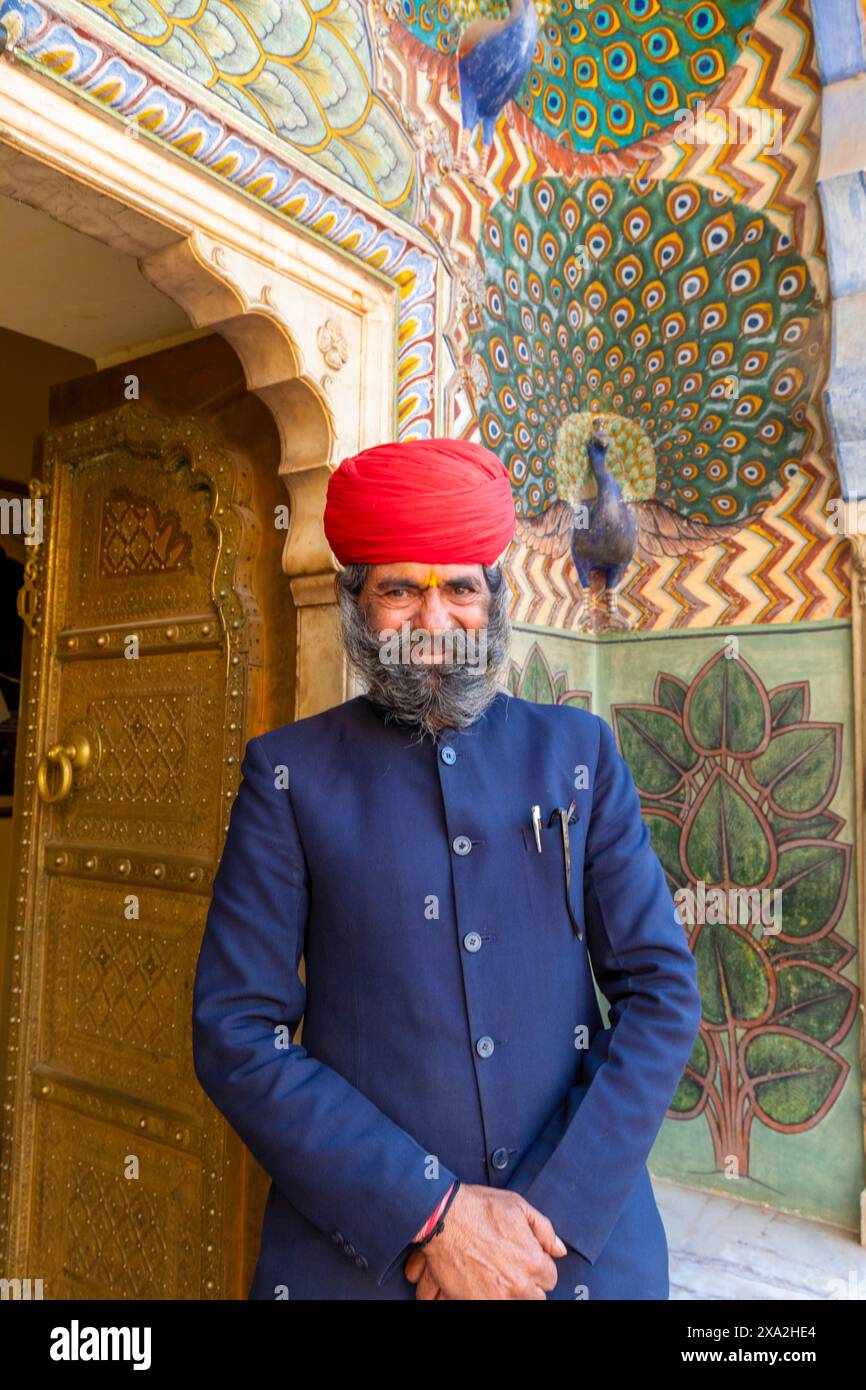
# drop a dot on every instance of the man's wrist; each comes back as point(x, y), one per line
point(423, 1235)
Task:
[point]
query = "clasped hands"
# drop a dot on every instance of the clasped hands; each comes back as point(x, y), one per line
point(493, 1245)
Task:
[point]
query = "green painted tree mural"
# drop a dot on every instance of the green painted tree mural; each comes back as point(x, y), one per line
point(535, 680)
point(736, 783)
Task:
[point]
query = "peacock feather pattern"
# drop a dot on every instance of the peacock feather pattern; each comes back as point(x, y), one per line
point(603, 75)
point(304, 72)
point(665, 305)
point(630, 457)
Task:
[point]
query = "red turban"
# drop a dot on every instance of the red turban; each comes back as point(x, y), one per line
point(442, 501)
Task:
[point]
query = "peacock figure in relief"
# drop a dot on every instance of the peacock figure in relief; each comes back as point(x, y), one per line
point(493, 57)
point(605, 513)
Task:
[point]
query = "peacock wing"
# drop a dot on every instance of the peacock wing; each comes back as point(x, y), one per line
point(550, 531)
point(662, 531)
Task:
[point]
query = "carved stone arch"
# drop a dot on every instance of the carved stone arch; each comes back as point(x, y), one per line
point(223, 290)
point(278, 328)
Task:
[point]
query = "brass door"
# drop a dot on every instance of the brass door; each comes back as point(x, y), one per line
point(143, 665)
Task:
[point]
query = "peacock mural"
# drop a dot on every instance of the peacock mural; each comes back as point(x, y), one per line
point(603, 531)
point(493, 57)
point(582, 77)
point(684, 324)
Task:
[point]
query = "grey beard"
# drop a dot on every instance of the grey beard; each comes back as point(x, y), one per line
point(450, 695)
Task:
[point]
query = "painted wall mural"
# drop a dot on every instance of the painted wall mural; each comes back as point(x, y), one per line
point(534, 679)
point(657, 302)
point(604, 76)
point(686, 322)
point(303, 70)
point(736, 781)
point(802, 571)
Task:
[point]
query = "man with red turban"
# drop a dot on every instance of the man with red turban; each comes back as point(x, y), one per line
point(455, 864)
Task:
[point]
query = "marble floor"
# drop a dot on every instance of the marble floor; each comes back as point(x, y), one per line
point(726, 1249)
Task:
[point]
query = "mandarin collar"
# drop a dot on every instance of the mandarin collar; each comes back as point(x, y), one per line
point(448, 734)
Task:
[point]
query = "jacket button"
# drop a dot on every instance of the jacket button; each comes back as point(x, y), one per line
point(448, 755)
point(484, 1046)
point(361, 1262)
point(500, 1158)
point(472, 941)
point(462, 844)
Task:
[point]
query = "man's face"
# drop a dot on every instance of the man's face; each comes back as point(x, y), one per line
point(431, 598)
point(428, 641)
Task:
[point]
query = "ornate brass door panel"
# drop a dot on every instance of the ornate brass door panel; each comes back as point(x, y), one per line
point(122, 1181)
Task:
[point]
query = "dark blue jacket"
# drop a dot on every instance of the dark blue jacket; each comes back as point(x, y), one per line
point(451, 1025)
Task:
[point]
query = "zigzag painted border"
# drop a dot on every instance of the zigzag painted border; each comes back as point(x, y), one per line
point(75, 54)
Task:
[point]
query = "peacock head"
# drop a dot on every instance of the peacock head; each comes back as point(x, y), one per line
point(596, 451)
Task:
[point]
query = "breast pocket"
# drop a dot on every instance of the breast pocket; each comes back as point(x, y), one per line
point(545, 875)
